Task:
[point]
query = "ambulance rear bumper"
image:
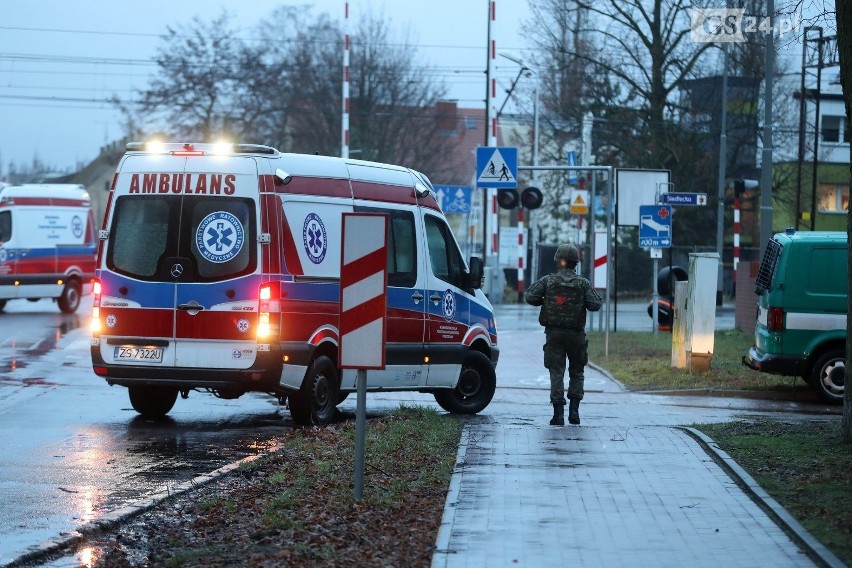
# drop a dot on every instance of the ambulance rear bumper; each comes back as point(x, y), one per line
point(263, 376)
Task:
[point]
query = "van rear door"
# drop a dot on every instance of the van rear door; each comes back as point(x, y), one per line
point(8, 256)
point(182, 263)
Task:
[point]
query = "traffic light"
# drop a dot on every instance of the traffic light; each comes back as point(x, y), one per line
point(530, 198)
point(507, 198)
point(741, 185)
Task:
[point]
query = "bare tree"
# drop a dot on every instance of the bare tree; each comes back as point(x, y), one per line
point(197, 80)
point(649, 53)
point(624, 62)
point(394, 104)
point(298, 71)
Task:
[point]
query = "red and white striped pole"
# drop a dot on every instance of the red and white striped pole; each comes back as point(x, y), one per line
point(344, 136)
point(521, 245)
point(491, 124)
point(736, 235)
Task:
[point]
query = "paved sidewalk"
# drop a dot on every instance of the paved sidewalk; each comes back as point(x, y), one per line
point(628, 487)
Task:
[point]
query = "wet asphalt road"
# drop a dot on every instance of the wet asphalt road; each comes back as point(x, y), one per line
point(72, 448)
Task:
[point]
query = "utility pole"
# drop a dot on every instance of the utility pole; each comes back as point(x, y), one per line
point(723, 158)
point(766, 161)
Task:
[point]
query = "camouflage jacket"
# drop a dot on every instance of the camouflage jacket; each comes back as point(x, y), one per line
point(564, 298)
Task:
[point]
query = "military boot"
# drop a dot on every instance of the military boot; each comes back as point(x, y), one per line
point(574, 411)
point(558, 415)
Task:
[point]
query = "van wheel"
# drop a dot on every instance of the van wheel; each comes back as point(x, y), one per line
point(316, 401)
point(2, 305)
point(475, 389)
point(69, 301)
point(827, 376)
point(151, 401)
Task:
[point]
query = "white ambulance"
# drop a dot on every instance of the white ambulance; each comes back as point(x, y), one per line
point(47, 243)
point(219, 271)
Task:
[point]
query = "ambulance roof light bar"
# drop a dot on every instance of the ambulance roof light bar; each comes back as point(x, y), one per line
point(201, 149)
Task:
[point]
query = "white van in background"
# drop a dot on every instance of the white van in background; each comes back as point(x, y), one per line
point(47, 243)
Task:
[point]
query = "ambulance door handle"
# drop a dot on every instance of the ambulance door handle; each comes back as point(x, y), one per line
point(192, 307)
point(417, 297)
point(436, 298)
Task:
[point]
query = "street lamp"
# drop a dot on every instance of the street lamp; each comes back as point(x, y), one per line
point(525, 67)
point(533, 230)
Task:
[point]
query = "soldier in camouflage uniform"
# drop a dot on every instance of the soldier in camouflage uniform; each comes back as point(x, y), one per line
point(564, 298)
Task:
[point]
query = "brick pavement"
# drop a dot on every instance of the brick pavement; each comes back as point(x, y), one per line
point(529, 494)
point(628, 487)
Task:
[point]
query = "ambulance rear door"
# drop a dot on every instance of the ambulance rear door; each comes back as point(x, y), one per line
point(216, 296)
point(182, 278)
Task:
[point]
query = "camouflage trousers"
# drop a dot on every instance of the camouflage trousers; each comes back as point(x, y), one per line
point(562, 344)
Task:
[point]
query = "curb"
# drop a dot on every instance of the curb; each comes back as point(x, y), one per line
point(764, 500)
point(608, 375)
point(40, 552)
point(442, 542)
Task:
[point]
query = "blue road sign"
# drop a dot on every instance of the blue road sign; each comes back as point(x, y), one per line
point(685, 198)
point(572, 161)
point(497, 167)
point(655, 226)
point(454, 198)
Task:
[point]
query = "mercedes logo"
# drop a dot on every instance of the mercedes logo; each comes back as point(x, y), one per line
point(177, 270)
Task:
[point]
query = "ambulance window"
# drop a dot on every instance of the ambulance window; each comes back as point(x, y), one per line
point(221, 236)
point(445, 257)
point(139, 239)
point(402, 246)
point(5, 226)
point(402, 251)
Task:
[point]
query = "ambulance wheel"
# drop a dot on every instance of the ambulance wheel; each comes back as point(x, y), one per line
point(827, 376)
point(316, 401)
point(69, 301)
point(152, 401)
point(475, 388)
point(2, 305)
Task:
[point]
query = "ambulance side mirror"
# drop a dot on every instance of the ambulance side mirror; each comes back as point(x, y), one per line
point(474, 277)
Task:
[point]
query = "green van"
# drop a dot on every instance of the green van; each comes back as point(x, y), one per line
point(801, 310)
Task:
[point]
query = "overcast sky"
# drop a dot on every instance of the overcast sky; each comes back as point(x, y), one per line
point(60, 59)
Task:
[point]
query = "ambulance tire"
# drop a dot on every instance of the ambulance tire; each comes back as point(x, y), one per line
point(827, 376)
point(69, 301)
point(2, 305)
point(152, 401)
point(316, 401)
point(475, 389)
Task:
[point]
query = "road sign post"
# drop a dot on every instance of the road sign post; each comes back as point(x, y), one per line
point(692, 199)
point(497, 167)
point(655, 232)
point(655, 226)
point(363, 312)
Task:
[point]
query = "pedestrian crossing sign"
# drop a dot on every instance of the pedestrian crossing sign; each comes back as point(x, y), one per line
point(497, 167)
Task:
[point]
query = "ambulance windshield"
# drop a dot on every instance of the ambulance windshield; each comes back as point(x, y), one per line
point(213, 233)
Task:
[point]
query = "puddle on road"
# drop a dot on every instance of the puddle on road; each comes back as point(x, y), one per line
point(23, 351)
